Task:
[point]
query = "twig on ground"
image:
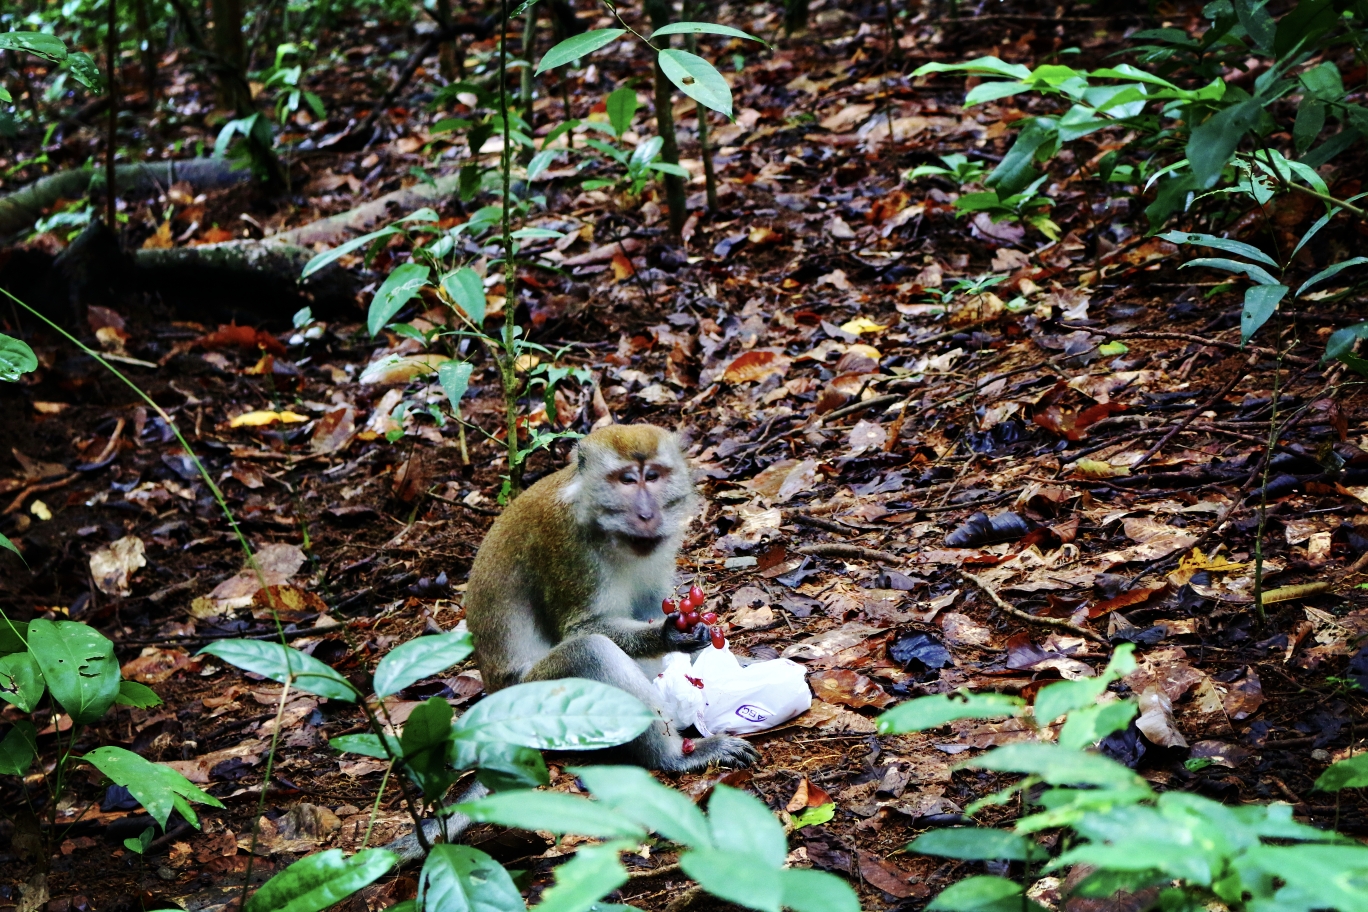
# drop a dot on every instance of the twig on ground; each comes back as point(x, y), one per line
point(1015, 612)
point(854, 552)
point(1192, 415)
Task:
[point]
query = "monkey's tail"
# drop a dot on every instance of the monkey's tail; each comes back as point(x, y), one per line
point(410, 850)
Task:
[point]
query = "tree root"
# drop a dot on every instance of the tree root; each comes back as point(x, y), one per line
point(1031, 618)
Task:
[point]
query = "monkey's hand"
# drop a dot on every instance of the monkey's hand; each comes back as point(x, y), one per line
point(677, 640)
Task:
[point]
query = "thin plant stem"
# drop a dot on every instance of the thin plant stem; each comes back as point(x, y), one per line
point(265, 787)
point(1263, 497)
point(375, 807)
point(111, 52)
point(508, 358)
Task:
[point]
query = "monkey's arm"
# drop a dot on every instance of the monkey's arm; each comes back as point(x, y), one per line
point(639, 639)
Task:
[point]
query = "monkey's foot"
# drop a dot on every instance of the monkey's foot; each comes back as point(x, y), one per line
point(721, 750)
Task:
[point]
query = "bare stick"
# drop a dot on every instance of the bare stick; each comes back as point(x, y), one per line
point(1031, 618)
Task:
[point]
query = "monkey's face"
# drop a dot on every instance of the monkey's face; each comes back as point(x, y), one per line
point(633, 484)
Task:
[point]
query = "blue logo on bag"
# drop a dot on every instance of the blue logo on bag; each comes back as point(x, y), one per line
point(752, 713)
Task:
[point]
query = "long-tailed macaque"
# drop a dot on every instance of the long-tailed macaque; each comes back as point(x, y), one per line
point(569, 582)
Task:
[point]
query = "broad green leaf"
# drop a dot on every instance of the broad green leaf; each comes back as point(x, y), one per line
point(742, 825)
point(1239, 267)
point(704, 28)
point(501, 767)
point(556, 812)
point(1214, 142)
point(399, 287)
point(1340, 345)
point(18, 748)
point(1329, 272)
point(367, 744)
point(419, 658)
point(697, 78)
point(566, 714)
point(622, 107)
point(1260, 301)
point(985, 893)
point(330, 256)
point(13, 634)
point(736, 878)
point(972, 844)
point(581, 882)
point(933, 712)
point(1351, 773)
point(645, 152)
point(1056, 765)
point(814, 816)
point(21, 682)
point(16, 359)
point(977, 65)
point(1315, 876)
point(541, 161)
point(427, 749)
point(455, 379)
point(1054, 700)
point(1086, 726)
point(11, 546)
point(36, 43)
point(667, 168)
point(457, 878)
point(131, 693)
point(79, 666)
point(578, 46)
point(158, 788)
point(465, 287)
point(425, 214)
point(1249, 251)
point(318, 881)
point(635, 793)
point(280, 664)
point(992, 91)
point(85, 71)
point(529, 234)
point(807, 890)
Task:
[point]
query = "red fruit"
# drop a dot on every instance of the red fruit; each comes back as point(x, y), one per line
point(691, 618)
point(708, 617)
point(718, 640)
point(668, 606)
point(681, 624)
point(688, 746)
point(696, 595)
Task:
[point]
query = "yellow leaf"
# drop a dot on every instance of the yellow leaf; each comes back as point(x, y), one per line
point(40, 510)
point(1096, 468)
point(861, 325)
point(1216, 563)
point(161, 238)
point(265, 417)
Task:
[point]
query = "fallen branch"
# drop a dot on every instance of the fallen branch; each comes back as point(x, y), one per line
point(337, 228)
point(1015, 612)
point(853, 552)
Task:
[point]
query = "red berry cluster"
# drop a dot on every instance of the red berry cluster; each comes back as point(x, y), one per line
point(687, 616)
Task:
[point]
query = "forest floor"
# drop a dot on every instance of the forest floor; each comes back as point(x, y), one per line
point(849, 418)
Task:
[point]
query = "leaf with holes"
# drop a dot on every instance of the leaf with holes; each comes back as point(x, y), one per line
point(79, 666)
point(1260, 301)
point(698, 79)
point(398, 289)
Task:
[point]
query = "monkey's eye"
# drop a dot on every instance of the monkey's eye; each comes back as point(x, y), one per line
point(628, 478)
point(652, 475)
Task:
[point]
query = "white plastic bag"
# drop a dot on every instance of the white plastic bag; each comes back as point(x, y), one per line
point(733, 699)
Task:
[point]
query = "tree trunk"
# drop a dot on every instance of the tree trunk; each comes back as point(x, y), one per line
point(233, 90)
point(149, 55)
point(659, 11)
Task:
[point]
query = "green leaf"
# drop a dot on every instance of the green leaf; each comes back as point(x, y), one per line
point(816, 891)
point(330, 256)
point(540, 162)
point(318, 881)
point(985, 893)
point(1056, 765)
point(527, 809)
point(742, 825)
point(455, 378)
point(427, 749)
point(502, 767)
point(79, 666)
point(578, 46)
point(972, 844)
point(366, 744)
point(21, 682)
point(457, 878)
point(1329, 272)
point(992, 91)
point(11, 546)
point(933, 712)
point(466, 288)
point(1249, 251)
point(977, 65)
point(566, 714)
point(815, 816)
point(1086, 726)
point(592, 874)
point(697, 78)
point(158, 788)
point(280, 664)
point(1340, 345)
point(18, 749)
point(1239, 267)
point(13, 634)
point(140, 696)
point(634, 793)
point(1260, 301)
point(667, 168)
point(85, 71)
point(1016, 172)
point(399, 287)
point(419, 658)
point(36, 43)
point(1054, 700)
point(16, 359)
point(736, 878)
point(529, 234)
point(141, 843)
point(1351, 773)
point(704, 28)
point(622, 107)
point(1214, 142)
